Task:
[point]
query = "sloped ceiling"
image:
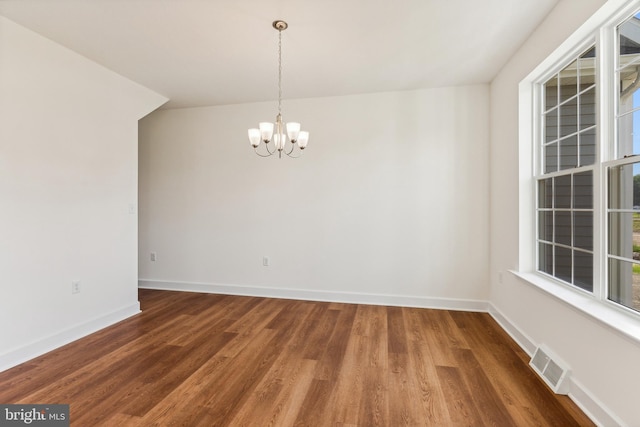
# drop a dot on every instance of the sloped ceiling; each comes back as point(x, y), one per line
point(213, 52)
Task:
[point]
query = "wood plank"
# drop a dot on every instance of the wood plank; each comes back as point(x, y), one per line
point(313, 407)
point(462, 411)
point(397, 336)
point(374, 400)
point(335, 347)
point(422, 370)
point(284, 407)
point(483, 395)
point(347, 393)
point(320, 332)
point(403, 407)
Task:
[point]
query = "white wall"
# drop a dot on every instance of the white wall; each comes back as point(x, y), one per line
point(68, 173)
point(390, 199)
point(604, 363)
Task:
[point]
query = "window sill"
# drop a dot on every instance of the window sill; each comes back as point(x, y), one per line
point(626, 324)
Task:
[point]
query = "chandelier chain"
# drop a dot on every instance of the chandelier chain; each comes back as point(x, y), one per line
point(279, 71)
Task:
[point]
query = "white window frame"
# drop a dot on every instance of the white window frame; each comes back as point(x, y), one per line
point(601, 30)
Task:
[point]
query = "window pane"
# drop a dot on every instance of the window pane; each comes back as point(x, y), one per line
point(563, 227)
point(622, 236)
point(545, 193)
point(583, 270)
point(628, 89)
point(629, 97)
point(629, 39)
point(563, 264)
point(551, 158)
point(587, 64)
point(545, 258)
point(587, 116)
point(629, 134)
point(551, 93)
point(583, 190)
point(587, 147)
point(569, 118)
point(569, 153)
point(568, 81)
point(545, 226)
point(551, 125)
point(590, 53)
point(629, 42)
point(583, 230)
point(624, 187)
point(624, 283)
point(563, 192)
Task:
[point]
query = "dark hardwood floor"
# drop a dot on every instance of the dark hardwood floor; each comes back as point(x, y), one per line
point(212, 360)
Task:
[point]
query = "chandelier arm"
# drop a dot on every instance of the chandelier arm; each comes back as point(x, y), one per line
point(293, 147)
point(271, 153)
point(290, 153)
point(262, 155)
point(292, 156)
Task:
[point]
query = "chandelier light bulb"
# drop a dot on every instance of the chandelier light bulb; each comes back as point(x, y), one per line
point(254, 137)
point(266, 131)
point(303, 138)
point(293, 129)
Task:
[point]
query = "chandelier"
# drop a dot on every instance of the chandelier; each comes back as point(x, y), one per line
point(283, 142)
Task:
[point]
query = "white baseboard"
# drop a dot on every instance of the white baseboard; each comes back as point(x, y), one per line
point(30, 351)
point(591, 406)
point(518, 336)
point(312, 295)
point(585, 400)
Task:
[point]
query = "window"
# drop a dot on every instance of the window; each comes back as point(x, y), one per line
point(623, 174)
point(586, 117)
point(565, 186)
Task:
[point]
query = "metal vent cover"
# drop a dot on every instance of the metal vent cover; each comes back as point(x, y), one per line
point(551, 369)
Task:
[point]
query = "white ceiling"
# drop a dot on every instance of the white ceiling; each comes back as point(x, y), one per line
point(212, 52)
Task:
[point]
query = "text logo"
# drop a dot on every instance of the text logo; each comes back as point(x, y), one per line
point(34, 415)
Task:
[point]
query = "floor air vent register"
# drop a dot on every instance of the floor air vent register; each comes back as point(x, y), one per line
point(552, 370)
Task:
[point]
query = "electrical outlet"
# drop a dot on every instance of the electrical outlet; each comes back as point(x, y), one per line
point(265, 261)
point(75, 287)
point(152, 256)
